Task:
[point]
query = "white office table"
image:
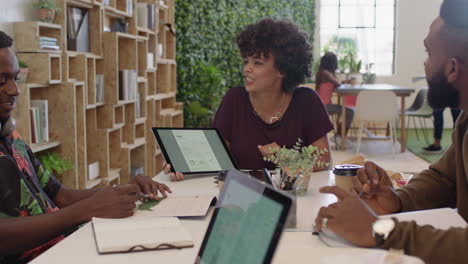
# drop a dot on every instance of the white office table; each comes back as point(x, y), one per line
point(294, 247)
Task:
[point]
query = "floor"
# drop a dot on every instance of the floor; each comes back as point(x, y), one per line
point(380, 152)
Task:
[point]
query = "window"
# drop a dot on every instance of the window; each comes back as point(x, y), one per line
point(365, 27)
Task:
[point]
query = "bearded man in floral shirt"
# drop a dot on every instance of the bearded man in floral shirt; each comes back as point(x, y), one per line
point(36, 210)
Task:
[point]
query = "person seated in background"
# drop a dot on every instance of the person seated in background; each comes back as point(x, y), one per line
point(36, 210)
point(271, 110)
point(444, 184)
point(326, 82)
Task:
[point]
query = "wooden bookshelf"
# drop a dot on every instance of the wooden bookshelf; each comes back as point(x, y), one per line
point(89, 125)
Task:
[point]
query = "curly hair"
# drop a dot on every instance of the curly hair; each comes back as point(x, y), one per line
point(5, 40)
point(285, 41)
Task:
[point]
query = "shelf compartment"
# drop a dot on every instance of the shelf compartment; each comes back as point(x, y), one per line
point(90, 81)
point(129, 127)
point(140, 110)
point(151, 77)
point(119, 115)
point(142, 57)
point(44, 68)
point(164, 78)
point(168, 102)
point(27, 36)
point(138, 161)
point(81, 147)
point(35, 148)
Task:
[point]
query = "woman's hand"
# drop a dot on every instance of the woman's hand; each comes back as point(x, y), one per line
point(177, 176)
point(269, 149)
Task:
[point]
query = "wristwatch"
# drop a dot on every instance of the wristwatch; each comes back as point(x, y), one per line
point(381, 230)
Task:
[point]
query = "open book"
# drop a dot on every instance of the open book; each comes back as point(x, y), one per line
point(139, 234)
point(181, 206)
point(443, 218)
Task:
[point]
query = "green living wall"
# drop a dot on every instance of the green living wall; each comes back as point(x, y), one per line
point(208, 61)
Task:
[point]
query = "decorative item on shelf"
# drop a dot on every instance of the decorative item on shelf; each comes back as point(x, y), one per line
point(55, 164)
point(46, 10)
point(23, 74)
point(296, 166)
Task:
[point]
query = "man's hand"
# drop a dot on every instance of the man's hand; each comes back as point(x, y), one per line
point(117, 202)
point(268, 149)
point(377, 189)
point(349, 218)
point(177, 176)
point(150, 187)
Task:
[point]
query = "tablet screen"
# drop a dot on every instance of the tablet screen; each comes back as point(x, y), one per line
point(194, 150)
point(246, 224)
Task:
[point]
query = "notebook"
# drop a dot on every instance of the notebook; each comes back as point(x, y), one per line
point(139, 234)
point(442, 218)
point(181, 206)
point(194, 150)
point(246, 224)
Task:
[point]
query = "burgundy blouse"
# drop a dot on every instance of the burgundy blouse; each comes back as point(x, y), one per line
point(305, 118)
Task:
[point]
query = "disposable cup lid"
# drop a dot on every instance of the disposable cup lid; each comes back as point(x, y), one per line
point(346, 169)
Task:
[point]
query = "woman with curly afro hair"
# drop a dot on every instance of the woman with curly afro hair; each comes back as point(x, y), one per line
point(271, 110)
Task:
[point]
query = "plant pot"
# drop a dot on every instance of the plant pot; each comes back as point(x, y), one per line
point(297, 187)
point(23, 75)
point(355, 78)
point(46, 15)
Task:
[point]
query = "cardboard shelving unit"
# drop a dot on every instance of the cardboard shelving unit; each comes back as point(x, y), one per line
point(104, 137)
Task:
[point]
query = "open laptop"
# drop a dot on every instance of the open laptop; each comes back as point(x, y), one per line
point(194, 150)
point(246, 224)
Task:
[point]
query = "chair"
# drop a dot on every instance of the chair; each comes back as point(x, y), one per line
point(421, 110)
point(378, 106)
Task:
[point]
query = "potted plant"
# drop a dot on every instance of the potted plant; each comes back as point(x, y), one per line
point(24, 71)
point(46, 10)
point(296, 166)
point(355, 75)
point(55, 164)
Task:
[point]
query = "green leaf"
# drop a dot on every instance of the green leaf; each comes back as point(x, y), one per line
point(147, 206)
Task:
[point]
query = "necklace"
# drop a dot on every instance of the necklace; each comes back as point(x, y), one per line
point(277, 116)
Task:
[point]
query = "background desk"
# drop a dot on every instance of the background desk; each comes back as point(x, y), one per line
point(402, 92)
point(294, 247)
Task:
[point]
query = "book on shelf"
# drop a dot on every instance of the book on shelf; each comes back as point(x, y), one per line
point(42, 119)
point(93, 170)
point(139, 234)
point(128, 84)
point(47, 39)
point(49, 47)
point(138, 106)
point(78, 29)
point(35, 125)
point(142, 15)
point(150, 60)
point(145, 15)
point(32, 117)
point(134, 171)
point(130, 7)
point(99, 88)
point(151, 18)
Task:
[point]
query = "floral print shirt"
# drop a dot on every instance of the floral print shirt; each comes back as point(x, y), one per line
point(26, 189)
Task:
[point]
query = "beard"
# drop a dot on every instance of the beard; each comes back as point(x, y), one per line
point(441, 93)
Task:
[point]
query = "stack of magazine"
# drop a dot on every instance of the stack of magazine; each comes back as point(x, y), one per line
point(48, 43)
